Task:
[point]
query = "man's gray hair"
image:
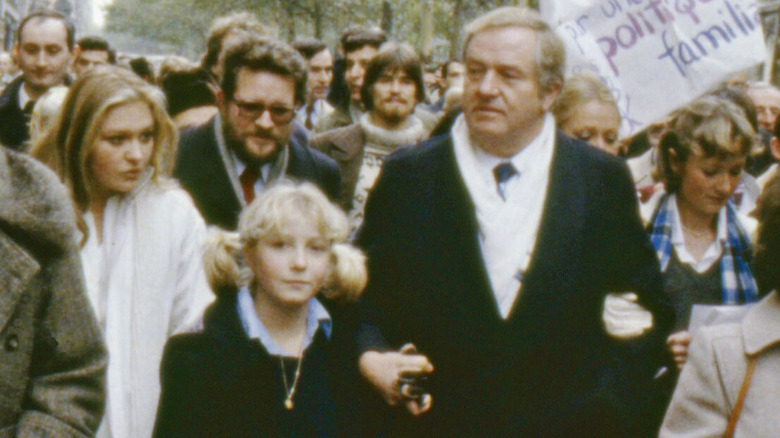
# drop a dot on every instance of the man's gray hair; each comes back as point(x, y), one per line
point(550, 54)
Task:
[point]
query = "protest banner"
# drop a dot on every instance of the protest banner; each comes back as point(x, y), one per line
point(656, 55)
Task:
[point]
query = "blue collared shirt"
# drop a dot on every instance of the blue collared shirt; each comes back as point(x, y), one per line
point(317, 317)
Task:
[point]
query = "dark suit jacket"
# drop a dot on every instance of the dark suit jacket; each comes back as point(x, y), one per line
point(550, 369)
point(345, 145)
point(14, 131)
point(201, 171)
point(220, 383)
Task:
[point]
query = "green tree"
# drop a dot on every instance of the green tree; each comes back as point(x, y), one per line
point(433, 26)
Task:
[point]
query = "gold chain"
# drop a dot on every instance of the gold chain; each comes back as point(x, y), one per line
point(288, 403)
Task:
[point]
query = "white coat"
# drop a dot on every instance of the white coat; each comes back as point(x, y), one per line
point(146, 283)
point(711, 380)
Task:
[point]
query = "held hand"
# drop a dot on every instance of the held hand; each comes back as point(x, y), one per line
point(624, 318)
point(678, 345)
point(385, 371)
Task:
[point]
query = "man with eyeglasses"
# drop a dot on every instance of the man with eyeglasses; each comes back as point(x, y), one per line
point(249, 145)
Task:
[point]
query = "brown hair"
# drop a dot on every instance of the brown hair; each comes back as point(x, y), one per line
point(709, 126)
point(356, 36)
point(264, 54)
point(222, 26)
point(308, 47)
point(393, 57)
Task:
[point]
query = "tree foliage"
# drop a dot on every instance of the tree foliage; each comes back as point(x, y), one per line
point(180, 26)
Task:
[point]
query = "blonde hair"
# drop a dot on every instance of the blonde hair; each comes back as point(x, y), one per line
point(550, 54)
point(264, 218)
point(67, 146)
point(579, 90)
point(710, 126)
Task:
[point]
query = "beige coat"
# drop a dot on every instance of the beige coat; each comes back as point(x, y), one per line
point(52, 359)
point(710, 382)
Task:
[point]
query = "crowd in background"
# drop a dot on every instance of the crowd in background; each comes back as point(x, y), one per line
point(294, 240)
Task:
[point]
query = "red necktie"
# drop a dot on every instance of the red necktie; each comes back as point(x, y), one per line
point(247, 179)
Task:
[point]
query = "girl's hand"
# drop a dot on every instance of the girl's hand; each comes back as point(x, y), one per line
point(678, 345)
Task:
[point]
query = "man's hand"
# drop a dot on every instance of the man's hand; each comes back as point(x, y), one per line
point(624, 318)
point(678, 345)
point(386, 370)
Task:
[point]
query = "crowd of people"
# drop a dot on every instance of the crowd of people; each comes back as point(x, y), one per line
point(289, 240)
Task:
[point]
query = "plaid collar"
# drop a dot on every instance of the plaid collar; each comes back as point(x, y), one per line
point(738, 285)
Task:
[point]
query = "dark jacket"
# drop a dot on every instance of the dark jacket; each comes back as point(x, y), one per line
point(14, 129)
point(201, 170)
point(219, 383)
point(550, 369)
point(346, 146)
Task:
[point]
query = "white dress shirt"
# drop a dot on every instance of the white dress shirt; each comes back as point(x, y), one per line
point(713, 252)
point(507, 228)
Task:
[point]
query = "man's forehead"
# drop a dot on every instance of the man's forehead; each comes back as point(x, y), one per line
point(365, 51)
point(454, 66)
point(510, 37)
point(94, 55)
point(394, 71)
point(765, 95)
point(249, 81)
point(323, 57)
point(40, 27)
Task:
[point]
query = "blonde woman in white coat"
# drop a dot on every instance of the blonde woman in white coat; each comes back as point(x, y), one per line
point(141, 234)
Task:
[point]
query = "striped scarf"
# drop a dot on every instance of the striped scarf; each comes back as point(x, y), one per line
point(738, 285)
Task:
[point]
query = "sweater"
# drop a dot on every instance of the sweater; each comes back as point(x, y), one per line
point(219, 383)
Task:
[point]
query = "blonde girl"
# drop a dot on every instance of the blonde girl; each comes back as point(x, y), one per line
point(262, 365)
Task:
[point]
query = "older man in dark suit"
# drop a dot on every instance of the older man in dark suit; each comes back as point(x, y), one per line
point(493, 251)
point(250, 143)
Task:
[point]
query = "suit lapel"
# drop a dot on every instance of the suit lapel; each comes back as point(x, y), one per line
point(346, 143)
point(213, 175)
point(299, 164)
point(559, 241)
point(347, 148)
point(460, 238)
point(16, 271)
point(223, 323)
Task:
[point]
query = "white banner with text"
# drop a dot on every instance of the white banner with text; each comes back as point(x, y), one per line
point(655, 55)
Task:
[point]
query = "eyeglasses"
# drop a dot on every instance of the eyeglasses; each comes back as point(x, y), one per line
point(280, 114)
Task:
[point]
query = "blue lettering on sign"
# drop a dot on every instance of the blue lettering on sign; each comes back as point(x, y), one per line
point(656, 15)
point(735, 23)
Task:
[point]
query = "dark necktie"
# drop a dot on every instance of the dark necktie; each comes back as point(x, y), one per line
point(27, 111)
point(309, 124)
point(503, 172)
point(248, 178)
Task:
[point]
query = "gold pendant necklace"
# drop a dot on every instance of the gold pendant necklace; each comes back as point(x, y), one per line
point(696, 234)
point(288, 402)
